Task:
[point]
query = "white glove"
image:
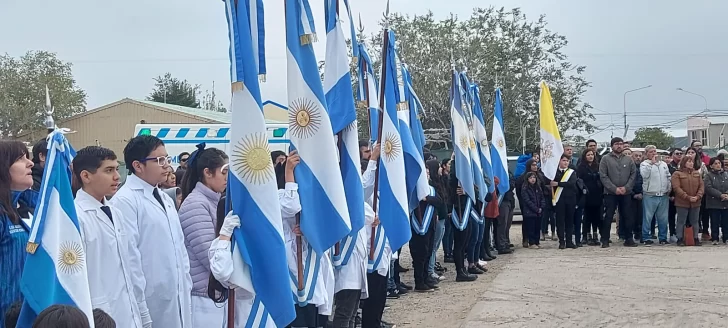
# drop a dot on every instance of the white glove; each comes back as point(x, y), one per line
point(231, 222)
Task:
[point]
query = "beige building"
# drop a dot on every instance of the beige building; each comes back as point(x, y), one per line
point(113, 125)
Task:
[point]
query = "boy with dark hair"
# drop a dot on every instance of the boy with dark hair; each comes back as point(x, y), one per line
point(103, 320)
point(61, 316)
point(151, 223)
point(12, 314)
point(108, 259)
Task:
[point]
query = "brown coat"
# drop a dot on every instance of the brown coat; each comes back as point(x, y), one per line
point(687, 183)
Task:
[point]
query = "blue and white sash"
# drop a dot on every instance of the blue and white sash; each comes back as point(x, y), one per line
point(311, 266)
point(478, 215)
point(259, 316)
point(461, 224)
point(379, 243)
point(421, 229)
point(346, 248)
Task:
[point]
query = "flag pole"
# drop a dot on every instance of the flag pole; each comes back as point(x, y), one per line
point(452, 98)
point(231, 292)
point(385, 45)
point(339, 144)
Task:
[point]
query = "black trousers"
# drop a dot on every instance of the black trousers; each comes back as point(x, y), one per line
point(612, 202)
point(565, 221)
point(637, 215)
point(672, 213)
point(346, 304)
point(704, 218)
point(373, 307)
point(592, 219)
point(421, 251)
point(461, 240)
point(490, 226)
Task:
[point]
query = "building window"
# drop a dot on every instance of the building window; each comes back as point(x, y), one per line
point(699, 135)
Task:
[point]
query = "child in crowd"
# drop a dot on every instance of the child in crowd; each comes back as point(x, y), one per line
point(61, 316)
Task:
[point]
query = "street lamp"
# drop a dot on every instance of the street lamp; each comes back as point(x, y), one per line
point(695, 94)
point(625, 106)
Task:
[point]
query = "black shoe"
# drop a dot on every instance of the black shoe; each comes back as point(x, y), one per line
point(663, 242)
point(486, 258)
point(405, 286)
point(449, 259)
point(571, 246)
point(431, 281)
point(697, 242)
point(424, 288)
point(393, 294)
point(648, 242)
point(505, 251)
point(439, 267)
point(482, 268)
point(388, 325)
point(464, 276)
point(605, 245)
point(490, 254)
point(680, 242)
point(402, 290)
point(654, 236)
point(435, 287)
point(579, 244)
point(474, 270)
point(630, 243)
point(562, 246)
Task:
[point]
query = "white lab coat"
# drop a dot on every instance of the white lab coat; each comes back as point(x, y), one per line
point(323, 296)
point(110, 264)
point(221, 266)
point(353, 275)
point(367, 181)
point(161, 245)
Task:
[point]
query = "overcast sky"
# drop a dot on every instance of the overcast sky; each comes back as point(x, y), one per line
point(117, 47)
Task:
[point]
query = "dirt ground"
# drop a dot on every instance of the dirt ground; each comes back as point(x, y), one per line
point(665, 286)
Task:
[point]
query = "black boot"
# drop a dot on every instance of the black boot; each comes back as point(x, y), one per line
point(464, 276)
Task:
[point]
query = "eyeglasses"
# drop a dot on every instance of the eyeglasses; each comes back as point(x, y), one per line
point(161, 160)
point(678, 154)
point(184, 159)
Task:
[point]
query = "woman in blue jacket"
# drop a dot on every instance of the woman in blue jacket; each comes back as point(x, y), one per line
point(17, 201)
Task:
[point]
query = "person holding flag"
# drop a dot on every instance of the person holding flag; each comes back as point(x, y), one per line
point(55, 269)
point(564, 202)
point(17, 202)
point(551, 150)
point(249, 255)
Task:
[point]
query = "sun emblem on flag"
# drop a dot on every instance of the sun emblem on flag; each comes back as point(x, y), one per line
point(304, 118)
point(392, 147)
point(547, 147)
point(484, 143)
point(250, 159)
point(472, 143)
point(70, 258)
point(464, 142)
point(501, 143)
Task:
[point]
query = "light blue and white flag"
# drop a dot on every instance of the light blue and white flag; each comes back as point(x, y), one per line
point(368, 91)
point(55, 267)
point(392, 208)
point(342, 111)
point(481, 139)
point(415, 110)
point(498, 151)
point(414, 164)
point(259, 252)
point(461, 138)
point(325, 213)
point(478, 177)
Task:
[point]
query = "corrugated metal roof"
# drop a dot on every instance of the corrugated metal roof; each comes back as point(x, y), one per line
point(205, 114)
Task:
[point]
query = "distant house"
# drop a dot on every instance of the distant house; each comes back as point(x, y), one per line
point(113, 125)
point(709, 130)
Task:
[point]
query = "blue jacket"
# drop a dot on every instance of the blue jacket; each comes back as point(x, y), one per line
point(13, 239)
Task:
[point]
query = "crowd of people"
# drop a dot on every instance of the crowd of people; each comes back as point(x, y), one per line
point(158, 248)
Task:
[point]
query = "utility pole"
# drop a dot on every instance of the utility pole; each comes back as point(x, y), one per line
point(625, 107)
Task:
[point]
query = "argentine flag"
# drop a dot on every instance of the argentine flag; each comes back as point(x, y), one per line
point(325, 213)
point(259, 253)
point(415, 109)
point(368, 96)
point(478, 177)
point(392, 207)
point(498, 152)
point(342, 111)
point(481, 138)
point(55, 267)
point(461, 138)
point(417, 185)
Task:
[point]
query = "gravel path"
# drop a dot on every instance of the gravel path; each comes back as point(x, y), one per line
point(663, 286)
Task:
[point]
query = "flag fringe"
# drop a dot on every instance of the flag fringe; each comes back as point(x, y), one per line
point(308, 39)
point(261, 78)
point(237, 86)
point(403, 106)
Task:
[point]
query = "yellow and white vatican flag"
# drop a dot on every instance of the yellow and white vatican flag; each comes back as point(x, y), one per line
point(551, 147)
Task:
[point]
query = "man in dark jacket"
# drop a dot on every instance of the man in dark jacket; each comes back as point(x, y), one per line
point(673, 165)
point(636, 201)
point(40, 151)
point(617, 173)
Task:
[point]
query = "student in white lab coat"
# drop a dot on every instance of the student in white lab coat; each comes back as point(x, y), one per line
point(108, 258)
point(351, 279)
point(316, 313)
point(153, 226)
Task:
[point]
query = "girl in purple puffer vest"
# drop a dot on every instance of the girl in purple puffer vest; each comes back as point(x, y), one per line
point(202, 185)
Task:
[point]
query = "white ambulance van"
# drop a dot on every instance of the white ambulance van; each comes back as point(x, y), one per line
point(180, 138)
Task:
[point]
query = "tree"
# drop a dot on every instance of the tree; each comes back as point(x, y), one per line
point(22, 91)
point(174, 91)
point(652, 136)
point(210, 101)
point(499, 48)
